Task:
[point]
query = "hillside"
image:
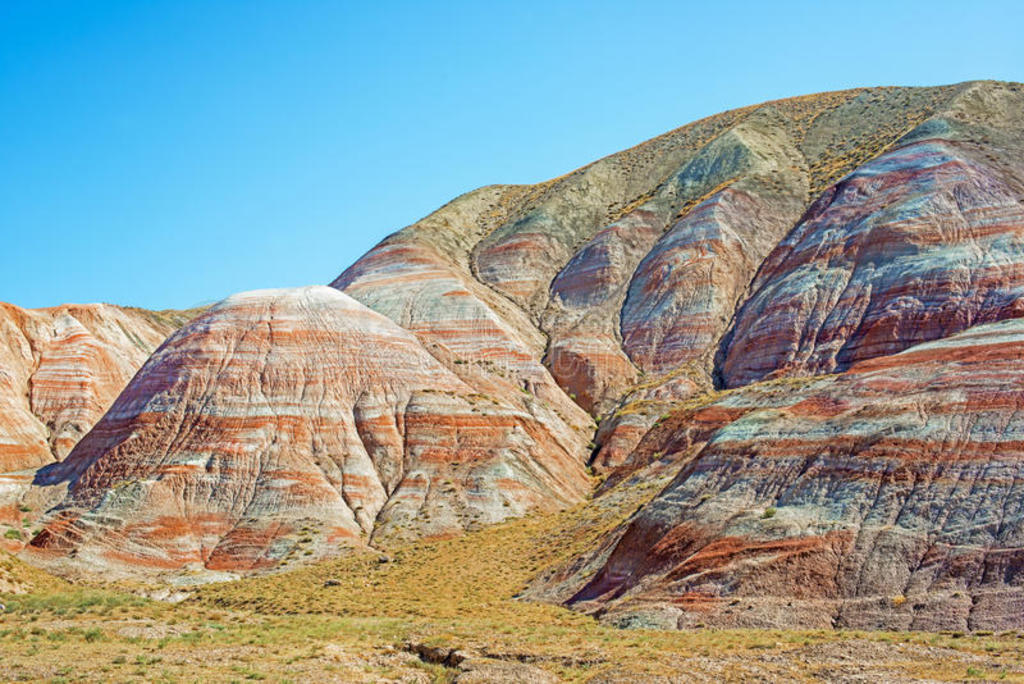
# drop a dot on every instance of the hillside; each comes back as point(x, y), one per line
point(801, 316)
point(60, 369)
point(442, 611)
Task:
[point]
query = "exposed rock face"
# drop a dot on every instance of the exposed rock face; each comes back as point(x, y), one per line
point(683, 293)
point(61, 368)
point(585, 355)
point(888, 495)
point(649, 336)
point(918, 244)
point(287, 421)
point(805, 313)
point(475, 333)
point(891, 495)
point(630, 268)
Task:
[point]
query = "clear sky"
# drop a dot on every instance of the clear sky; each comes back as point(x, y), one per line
point(166, 153)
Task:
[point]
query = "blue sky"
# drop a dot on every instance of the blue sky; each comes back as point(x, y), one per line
point(166, 154)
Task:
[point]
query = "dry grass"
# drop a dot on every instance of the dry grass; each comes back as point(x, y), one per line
point(474, 576)
point(349, 619)
point(456, 592)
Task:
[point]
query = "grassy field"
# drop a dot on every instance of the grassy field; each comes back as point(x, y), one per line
point(360, 619)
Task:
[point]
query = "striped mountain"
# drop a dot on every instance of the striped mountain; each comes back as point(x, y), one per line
point(826, 284)
point(888, 496)
point(294, 420)
point(60, 369)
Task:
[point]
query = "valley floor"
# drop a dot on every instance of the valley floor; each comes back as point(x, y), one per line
point(438, 610)
point(132, 643)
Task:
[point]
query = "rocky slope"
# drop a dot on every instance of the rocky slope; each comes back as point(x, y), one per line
point(868, 240)
point(890, 495)
point(918, 244)
point(61, 368)
point(289, 423)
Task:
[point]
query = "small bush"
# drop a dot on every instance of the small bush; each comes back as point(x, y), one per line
point(768, 513)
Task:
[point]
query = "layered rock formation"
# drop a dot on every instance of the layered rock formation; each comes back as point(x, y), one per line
point(918, 244)
point(294, 421)
point(429, 290)
point(804, 312)
point(891, 495)
point(61, 368)
point(887, 495)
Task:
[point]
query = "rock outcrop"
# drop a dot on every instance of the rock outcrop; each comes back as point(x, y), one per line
point(289, 423)
point(61, 368)
point(864, 468)
point(804, 315)
point(890, 495)
point(920, 243)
